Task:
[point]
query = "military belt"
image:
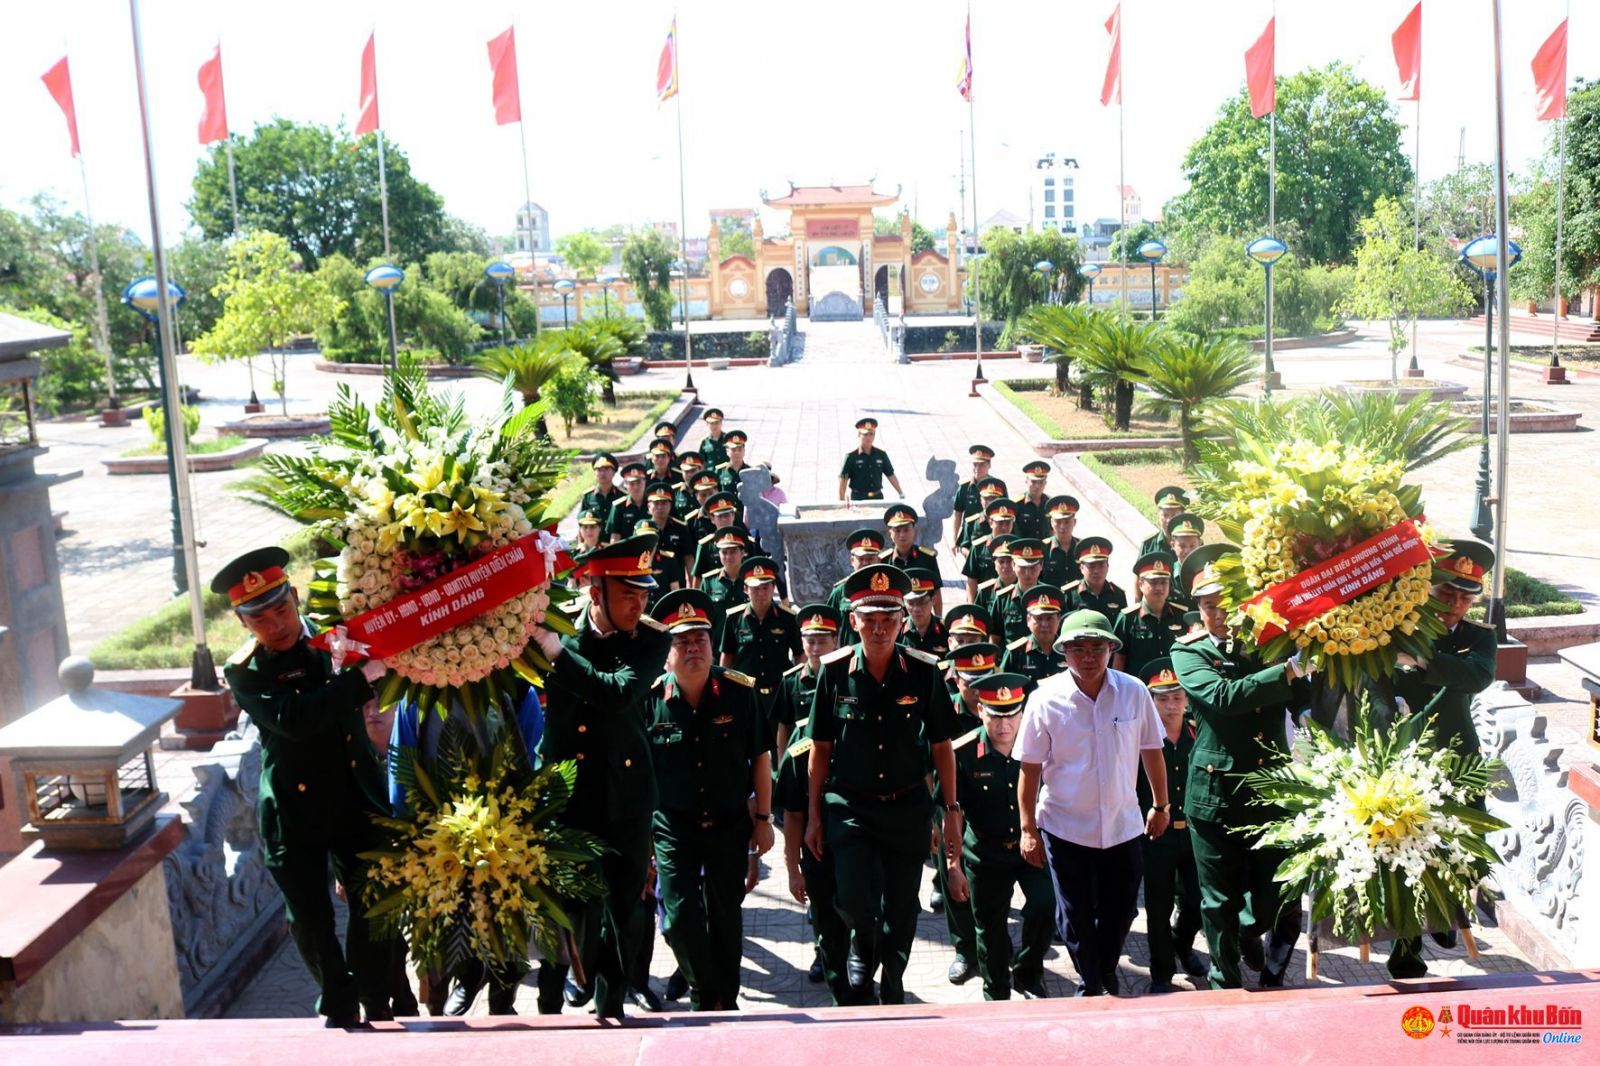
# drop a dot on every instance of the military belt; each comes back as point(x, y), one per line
point(1180, 823)
point(883, 797)
point(995, 841)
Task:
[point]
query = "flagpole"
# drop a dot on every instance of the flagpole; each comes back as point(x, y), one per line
point(527, 186)
point(1554, 375)
point(203, 671)
point(1416, 215)
point(977, 230)
point(383, 200)
point(683, 221)
point(1122, 196)
point(102, 332)
point(233, 185)
point(1497, 613)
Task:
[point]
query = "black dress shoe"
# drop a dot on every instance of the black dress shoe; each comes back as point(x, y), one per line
point(1192, 964)
point(816, 973)
point(406, 1006)
point(1109, 983)
point(463, 992)
point(503, 998)
point(1030, 988)
point(1161, 988)
point(858, 973)
point(1252, 953)
point(1445, 939)
point(936, 901)
point(380, 1014)
point(345, 1021)
point(575, 994)
point(961, 970)
point(677, 985)
point(645, 999)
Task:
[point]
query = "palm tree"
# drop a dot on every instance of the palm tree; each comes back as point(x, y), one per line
point(1116, 355)
point(1187, 374)
point(598, 343)
point(530, 367)
point(1062, 329)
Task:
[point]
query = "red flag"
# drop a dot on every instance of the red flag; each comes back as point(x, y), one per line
point(1549, 76)
point(667, 66)
point(1260, 72)
point(964, 79)
point(503, 64)
point(58, 79)
point(1111, 88)
point(1407, 42)
point(214, 116)
point(369, 87)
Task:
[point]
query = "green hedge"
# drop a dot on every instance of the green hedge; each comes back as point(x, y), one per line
point(1529, 597)
point(664, 344)
point(1104, 465)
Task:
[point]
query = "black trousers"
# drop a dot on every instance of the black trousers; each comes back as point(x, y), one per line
point(1097, 898)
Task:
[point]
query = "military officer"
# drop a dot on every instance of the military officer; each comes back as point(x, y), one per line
point(966, 623)
point(811, 878)
point(720, 510)
point(672, 535)
point(1185, 531)
point(320, 781)
point(702, 486)
point(760, 637)
point(1169, 873)
point(1005, 576)
point(904, 551)
point(1238, 703)
point(712, 448)
point(1031, 521)
point(711, 750)
point(606, 490)
point(986, 785)
point(1010, 609)
point(968, 664)
point(595, 693)
point(661, 459)
point(976, 524)
point(1148, 628)
point(684, 501)
point(863, 546)
point(1034, 655)
point(664, 566)
point(1094, 592)
point(730, 469)
point(923, 630)
point(1000, 514)
point(967, 501)
point(1461, 665)
point(667, 431)
point(723, 584)
point(879, 714)
point(865, 468)
point(591, 529)
point(1061, 547)
point(626, 510)
point(819, 635)
point(1171, 501)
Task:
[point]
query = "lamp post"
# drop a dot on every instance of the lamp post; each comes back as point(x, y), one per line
point(1267, 251)
point(565, 287)
point(606, 281)
point(500, 274)
point(1043, 268)
point(386, 278)
point(1088, 272)
point(1152, 252)
point(1480, 254)
point(143, 295)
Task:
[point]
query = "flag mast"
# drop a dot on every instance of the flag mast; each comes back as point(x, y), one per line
point(683, 226)
point(965, 85)
point(1554, 374)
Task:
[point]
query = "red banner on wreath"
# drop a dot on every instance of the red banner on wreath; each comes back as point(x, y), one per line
point(1340, 579)
point(444, 603)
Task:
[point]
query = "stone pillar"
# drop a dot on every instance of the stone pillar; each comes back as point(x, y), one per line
point(802, 277)
point(953, 265)
point(713, 272)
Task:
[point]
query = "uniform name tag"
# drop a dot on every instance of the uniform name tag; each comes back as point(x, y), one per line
point(906, 701)
point(722, 719)
point(846, 701)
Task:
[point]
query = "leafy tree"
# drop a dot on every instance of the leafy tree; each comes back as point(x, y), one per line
point(459, 235)
point(1010, 283)
point(921, 238)
point(1460, 205)
point(319, 189)
point(70, 377)
point(585, 253)
point(1187, 375)
point(267, 301)
point(647, 259)
point(736, 238)
point(354, 326)
point(1135, 235)
point(598, 344)
point(1338, 151)
point(1534, 212)
point(571, 394)
point(1115, 358)
point(459, 276)
point(423, 313)
point(1397, 282)
point(198, 263)
point(1226, 291)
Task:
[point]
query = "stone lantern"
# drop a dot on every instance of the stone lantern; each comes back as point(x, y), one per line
point(83, 762)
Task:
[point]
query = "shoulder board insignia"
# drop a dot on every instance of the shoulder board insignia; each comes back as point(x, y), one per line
point(965, 739)
point(651, 623)
point(1190, 638)
point(839, 653)
point(1130, 610)
point(1019, 499)
point(886, 553)
point(801, 723)
point(1019, 642)
point(841, 581)
point(741, 679)
point(929, 552)
point(660, 682)
point(795, 669)
point(619, 501)
point(1071, 586)
point(1480, 625)
point(707, 538)
point(723, 466)
point(988, 584)
point(691, 514)
point(789, 607)
point(242, 656)
point(982, 540)
point(799, 748)
point(575, 605)
point(667, 555)
point(975, 516)
point(738, 610)
point(677, 486)
point(922, 656)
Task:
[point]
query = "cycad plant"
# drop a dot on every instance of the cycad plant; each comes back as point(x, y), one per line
point(598, 344)
point(1187, 374)
point(1115, 357)
point(1415, 434)
point(1062, 328)
point(529, 367)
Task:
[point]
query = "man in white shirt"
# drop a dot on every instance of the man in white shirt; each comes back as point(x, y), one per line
point(1084, 735)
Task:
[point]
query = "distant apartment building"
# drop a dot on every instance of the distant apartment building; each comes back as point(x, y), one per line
point(1053, 193)
point(533, 225)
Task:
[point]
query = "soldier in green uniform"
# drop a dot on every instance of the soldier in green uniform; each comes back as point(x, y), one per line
point(811, 879)
point(1094, 592)
point(967, 501)
point(1000, 514)
point(702, 486)
point(819, 634)
point(720, 510)
point(1461, 665)
point(1061, 547)
point(606, 491)
point(664, 566)
point(320, 781)
point(968, 664)
point(879, 714)
point(760, 637)
point(1005, 576)
point(976, 524)
point(667, 431)
point(923, 630)
point(986, 785)
point(1185, 531)
point(966, 623)
point(712, 449)
point(1171, 501)
point(1148, 628)
point(1239, 704)
point(723, 584)
point(672, 535)
point(626, 510)
point(866, 466)
point(863, 544)
point(904, 551)
point(729, 470)
point(1031, 521)
point(1169, 873)
point(594, 696)
point(711, 750)
point(1034, 655)
point(1010, 611)
point(591, 531)
point(661, 460)
point(683, 497)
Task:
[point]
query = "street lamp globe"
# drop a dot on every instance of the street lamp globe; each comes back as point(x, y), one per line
point(142, 294)
point(1266, 250)
point(1089, 271)
point(385, 277)
point(1152, 251)
point(499, 273)
point(1482, 254)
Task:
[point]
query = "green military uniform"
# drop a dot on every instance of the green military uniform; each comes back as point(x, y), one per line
point(1169, 870)
point(1034, 663)
point(864, 473)
point(1147, 636)
point(918, 558)
point(1010, 615)
point(979, 565)
point(969, 500)
point(934, 640)
point(594, 698)
point(791, 794)
point(1032, 505)
point(986, 788)
point(1239, 705)
point(793, 704)
point(320, 785)
point(625, 514)
point(1168, 498)
point(991, 593)
point(763, 648)
point(1110, 601)
point(713, 449)
point(600, 502)
point(1061, 563)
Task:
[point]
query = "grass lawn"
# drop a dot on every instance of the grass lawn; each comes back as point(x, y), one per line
point(1061, 418)
point(1528, 597)
point(621, 428)
point(223, 443)
point(1136, 474)
point(1586, 355)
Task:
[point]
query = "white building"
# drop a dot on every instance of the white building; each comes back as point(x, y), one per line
point(1053, 193)
point(533, 222)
